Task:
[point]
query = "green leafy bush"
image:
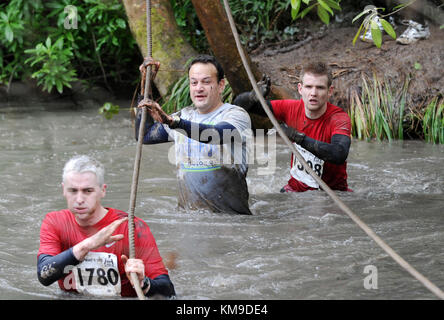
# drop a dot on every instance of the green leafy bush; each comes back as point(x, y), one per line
point(54, 65)
point(100, 49)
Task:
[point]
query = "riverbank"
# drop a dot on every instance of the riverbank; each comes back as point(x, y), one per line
point(423, 61)
point(400, 80)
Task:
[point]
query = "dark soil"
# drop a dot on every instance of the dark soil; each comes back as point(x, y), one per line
point(349, 63)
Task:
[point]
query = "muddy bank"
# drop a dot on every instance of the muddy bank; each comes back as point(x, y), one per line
point(27, 95)
point(349, 63)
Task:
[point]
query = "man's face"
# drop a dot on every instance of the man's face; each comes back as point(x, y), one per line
point(83, 195)
point(315, 94)
point(205, 90)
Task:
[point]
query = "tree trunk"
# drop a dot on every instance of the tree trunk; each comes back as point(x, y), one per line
point(168, 45)
point(214, 21)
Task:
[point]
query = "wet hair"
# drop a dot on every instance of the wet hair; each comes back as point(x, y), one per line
point(204, 58)
point(319, 68)
point(83, 163)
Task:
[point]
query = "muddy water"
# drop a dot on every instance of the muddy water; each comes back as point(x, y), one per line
point(295, 246)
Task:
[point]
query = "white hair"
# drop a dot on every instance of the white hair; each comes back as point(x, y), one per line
point(83, 163)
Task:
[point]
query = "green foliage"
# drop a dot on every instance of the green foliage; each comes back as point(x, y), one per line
point(188, 23)
point(370, 21)
point(53, 61)
point(101, 50)
point(179, 96)
point(324, 8)
point(108, 110)
point(433, 121)
point(258, 21)
point(417, 66)
point(379, 111)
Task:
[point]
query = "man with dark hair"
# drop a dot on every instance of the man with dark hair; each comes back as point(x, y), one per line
point(320, 130)
point(210, 141)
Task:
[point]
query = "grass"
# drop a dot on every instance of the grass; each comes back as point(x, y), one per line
point(433, 121)
point(378, 112)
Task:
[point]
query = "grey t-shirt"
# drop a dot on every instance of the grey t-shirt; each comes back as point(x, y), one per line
point(213, 176)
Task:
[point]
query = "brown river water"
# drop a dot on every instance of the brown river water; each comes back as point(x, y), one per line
point(295, 246)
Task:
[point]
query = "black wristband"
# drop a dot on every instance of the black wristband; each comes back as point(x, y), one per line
point(146, 283)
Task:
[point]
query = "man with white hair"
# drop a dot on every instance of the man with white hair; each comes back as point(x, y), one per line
point(86, 247)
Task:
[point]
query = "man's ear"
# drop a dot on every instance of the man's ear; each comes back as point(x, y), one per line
point(103, 188)
point(222, 85)
point(330, 91)
point(300, 88)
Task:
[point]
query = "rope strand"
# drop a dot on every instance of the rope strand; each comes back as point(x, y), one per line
point(429, 285)
point(138, 157)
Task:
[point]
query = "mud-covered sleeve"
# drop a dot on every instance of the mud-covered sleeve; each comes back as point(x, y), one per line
point(251, 105)
point(205, 133)
point(146, 249)
point(232, 125)
point(335, 152)
point(52, 268)
point(154, 132)
point(161, 285)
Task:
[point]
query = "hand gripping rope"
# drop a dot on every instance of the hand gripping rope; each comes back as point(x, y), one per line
point(146, 92)
point(429, 285)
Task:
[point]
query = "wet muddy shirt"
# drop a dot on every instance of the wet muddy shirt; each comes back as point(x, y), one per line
point(213, 176)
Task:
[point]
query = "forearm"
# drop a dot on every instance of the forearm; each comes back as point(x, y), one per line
point(161, 285)
point(220, 133)
point(154, 132)
point(335, 152)
point(52, 268)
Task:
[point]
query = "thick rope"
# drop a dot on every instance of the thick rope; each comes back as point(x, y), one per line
point(138, 157)
point(429, 285)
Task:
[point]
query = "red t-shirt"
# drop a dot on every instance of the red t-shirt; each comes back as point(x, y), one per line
point(333, 121)
point(60, 231)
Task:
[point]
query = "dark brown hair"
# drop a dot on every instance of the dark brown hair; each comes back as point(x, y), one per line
point(318, 68)
point(204, 58)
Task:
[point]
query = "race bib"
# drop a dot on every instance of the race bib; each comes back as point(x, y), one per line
point(299, 173)
point(98, 275)
point(195, 156)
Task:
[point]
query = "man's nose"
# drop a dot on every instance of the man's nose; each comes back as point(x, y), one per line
point(199, 86)
point(80, 198)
